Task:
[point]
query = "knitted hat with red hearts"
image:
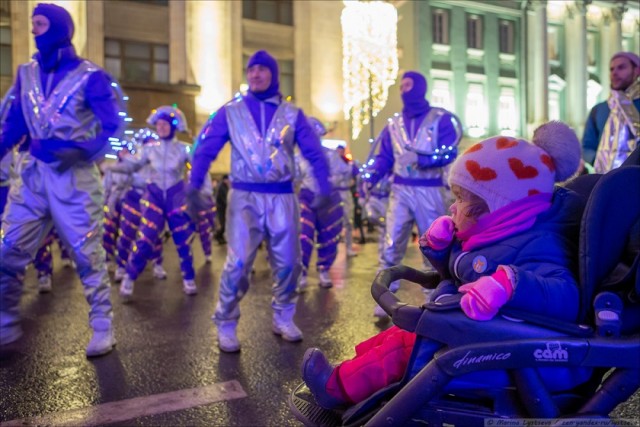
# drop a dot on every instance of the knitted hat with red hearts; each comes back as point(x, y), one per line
point(502, 170)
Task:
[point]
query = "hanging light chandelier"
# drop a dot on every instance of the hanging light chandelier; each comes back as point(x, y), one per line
point(369, 59)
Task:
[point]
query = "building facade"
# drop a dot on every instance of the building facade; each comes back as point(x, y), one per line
point(502, 66)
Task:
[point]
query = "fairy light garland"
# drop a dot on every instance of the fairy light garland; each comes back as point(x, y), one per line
point(369, 59)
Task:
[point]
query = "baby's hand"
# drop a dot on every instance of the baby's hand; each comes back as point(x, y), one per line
point(483, 298)
point(440, 233)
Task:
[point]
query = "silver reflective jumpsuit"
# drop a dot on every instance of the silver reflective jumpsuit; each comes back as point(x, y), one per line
point(72, 201)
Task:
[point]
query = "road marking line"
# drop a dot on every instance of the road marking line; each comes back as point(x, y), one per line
point(129, 409)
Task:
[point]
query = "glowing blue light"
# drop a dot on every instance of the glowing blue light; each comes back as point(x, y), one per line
point(122, 114)
point(114, 84)
point(111, 156)
point(128, 119)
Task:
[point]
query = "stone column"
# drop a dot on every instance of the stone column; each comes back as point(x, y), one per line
point(611, 40)
point(576, 66)
point(94, 48)
point(22, 45)
point(177, 42)
point(537, 64)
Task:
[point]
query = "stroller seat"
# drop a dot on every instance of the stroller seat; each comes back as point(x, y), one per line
point(520, 365)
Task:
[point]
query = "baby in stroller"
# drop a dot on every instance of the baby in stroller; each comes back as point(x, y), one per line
point(505, 244)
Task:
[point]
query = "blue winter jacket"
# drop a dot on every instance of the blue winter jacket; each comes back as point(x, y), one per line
point(543, 258)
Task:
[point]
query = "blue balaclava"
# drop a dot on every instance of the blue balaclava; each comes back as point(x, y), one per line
point(414, 100)
point(262, 57)
point(58, 35)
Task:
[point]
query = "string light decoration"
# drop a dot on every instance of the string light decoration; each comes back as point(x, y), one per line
point(369, 59)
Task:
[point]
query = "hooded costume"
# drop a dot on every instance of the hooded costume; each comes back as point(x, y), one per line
point(415, 146)
point(263, 130)
point(67, 107)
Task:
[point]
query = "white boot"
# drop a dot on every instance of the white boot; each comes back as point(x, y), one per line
point(126, 288)
point(103, 340)
point(283, 324)
point(44, 284)
point(119, 274)
point(227, 336)
point(189, 287)
point(302, 285)
point(324, 279)
point(158, 272)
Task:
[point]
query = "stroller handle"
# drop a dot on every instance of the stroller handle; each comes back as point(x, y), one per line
point(403, 315)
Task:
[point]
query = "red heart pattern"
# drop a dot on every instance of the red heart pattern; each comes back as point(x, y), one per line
point(478, 172)
point(520, 170)
point(548, 161)
point(502, 143)
point(473, 148)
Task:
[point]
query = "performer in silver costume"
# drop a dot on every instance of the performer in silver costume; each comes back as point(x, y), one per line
point(375, 200)
point(263, 130)
point(327, 222)
point(164, 199)
point(612, 130)
point(342, 175)
point(116, 184)
point(131, 215)
point(68, 108)
point(415, 146)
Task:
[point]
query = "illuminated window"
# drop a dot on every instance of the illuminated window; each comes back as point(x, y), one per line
point(441, 94)
point(553, 47)
point(476, 111)
point(556, 85)
point(591, 49)
point(508, 112)
point(286, 78)
point(440, 26)
point(132, 61)
point(554, 106)
point(276, 11)
point(6, 63)
point(506, 36)
point(474, 32)
point(593, 91)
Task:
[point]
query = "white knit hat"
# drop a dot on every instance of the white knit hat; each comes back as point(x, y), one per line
point(502, 170)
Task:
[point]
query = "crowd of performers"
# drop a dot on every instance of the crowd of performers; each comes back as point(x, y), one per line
point(287, 188)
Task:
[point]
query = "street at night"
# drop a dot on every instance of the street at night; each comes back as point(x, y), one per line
point(166, 361)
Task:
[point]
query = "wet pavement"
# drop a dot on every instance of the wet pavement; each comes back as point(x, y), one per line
point(166, 343)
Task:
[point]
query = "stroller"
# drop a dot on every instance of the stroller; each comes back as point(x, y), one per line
point(496, 370)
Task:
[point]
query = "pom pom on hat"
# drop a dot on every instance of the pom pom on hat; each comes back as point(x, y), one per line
point(502, 170)
point(561, 143)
